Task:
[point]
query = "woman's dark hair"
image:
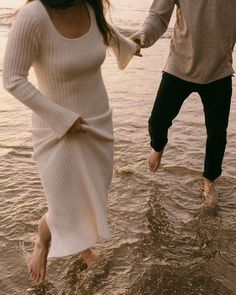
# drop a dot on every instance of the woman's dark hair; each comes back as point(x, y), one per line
point(100, 7)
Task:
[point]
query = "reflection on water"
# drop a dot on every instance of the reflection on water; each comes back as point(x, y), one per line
point(164, 242)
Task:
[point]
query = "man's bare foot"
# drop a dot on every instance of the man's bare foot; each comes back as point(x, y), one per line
point(154, 160)
point(89, 256)
point(210, 194)
point(38, 262)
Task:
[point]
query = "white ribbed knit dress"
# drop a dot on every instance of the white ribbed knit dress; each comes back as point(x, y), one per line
point(76, 168)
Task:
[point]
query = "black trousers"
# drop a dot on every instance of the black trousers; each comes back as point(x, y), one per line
point(216, 99)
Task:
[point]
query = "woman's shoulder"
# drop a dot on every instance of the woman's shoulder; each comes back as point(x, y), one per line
point(33, 11)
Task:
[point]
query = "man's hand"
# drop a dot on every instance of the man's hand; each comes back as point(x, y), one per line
point(140, 39)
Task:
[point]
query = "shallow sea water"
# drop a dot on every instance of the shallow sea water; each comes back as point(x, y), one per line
point(163, 241)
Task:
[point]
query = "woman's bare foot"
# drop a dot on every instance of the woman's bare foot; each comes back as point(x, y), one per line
point(89, 256)
point(154, 160)
point(210, 194)
point(38, 262)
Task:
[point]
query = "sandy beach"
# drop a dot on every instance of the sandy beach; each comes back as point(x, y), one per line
point(163, 241)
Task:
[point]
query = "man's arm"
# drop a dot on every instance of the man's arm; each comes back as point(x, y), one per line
point(155, 24)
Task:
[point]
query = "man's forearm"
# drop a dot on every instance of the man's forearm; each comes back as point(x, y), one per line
point(157, 21)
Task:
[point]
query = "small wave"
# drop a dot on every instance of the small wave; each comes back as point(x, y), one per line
point(17, 154)
point(15, 147)
point(125, 169)
point(6, 17)
point(181, 169)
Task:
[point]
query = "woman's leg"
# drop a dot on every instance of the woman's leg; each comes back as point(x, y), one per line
point(89, 256)
point(216, 99)
point(170, 97)
point(38, 263)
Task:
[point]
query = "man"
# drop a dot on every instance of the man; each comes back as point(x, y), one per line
point(200, 60)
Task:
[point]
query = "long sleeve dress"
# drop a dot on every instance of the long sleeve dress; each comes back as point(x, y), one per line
point(75, 168)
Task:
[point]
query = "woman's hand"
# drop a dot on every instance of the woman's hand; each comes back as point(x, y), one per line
point(138, 51)
point(78, 126)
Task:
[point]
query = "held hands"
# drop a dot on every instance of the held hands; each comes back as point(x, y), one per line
point(78, 126)
point(140, 39)
point(138, 52)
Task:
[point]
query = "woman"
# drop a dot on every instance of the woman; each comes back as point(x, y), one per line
point(66, 42)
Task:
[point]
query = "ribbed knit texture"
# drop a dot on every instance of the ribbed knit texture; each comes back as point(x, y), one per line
point(75, 169)
point(203, 38)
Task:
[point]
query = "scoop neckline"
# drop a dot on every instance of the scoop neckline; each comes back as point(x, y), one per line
point(59, 34)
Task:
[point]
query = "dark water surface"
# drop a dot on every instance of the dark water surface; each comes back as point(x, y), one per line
point(163, 241)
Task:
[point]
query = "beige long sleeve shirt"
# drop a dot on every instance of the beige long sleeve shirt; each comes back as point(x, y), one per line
point(203, 38)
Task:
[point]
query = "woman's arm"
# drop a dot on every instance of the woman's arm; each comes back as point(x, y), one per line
point(155, 24)
point(22, 48)
point(123, 48)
